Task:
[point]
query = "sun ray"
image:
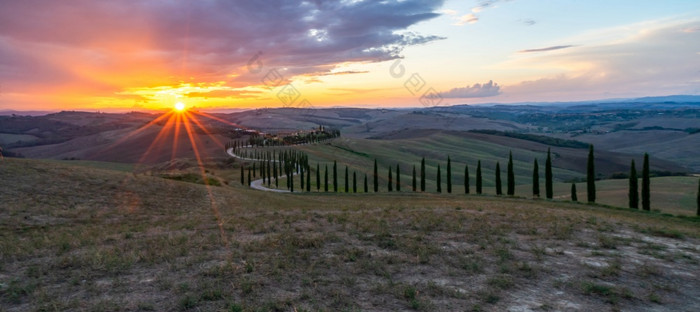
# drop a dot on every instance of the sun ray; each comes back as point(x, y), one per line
point(176, 136)
point(168, 125)
point(203, 114)
point(209, 134)
point(215, 209)
point(134, 133)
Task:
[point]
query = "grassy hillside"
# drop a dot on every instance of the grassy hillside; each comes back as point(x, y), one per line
point(80, 238)
point(407, 147)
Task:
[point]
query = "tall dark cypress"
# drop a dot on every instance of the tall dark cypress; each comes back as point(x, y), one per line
point(366, 186)
point(414, 178)
point(325, 180)
point(574, 197)
point(590, 175)
point(449, 175)
point(262, 170)
point(301, 177)
point(511, 176)
point(308, 177)
point(254, 172)
point(633, 194)
point(536, 180)
point(398, 178)
point(354, 182)
point(466, 179)
point(422, 175)
point(318, 177)
point(250, 180)
point(548, 184)
point(275, 172)
point(390, 185)
point(499, 190)
point(439, 181)
point(335, 176)
point(347, 177)
point(478, 177)
point(646, 191)
point(269, 172)
point(698, 198)
point(376, 177)
point(242, 175)
point(290, 178)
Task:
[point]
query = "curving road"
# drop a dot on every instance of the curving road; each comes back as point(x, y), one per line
point(258, 184)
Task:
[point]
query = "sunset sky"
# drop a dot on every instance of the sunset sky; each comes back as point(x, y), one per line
point(138, 54)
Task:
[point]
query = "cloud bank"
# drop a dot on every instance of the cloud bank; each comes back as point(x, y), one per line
point(475, 91)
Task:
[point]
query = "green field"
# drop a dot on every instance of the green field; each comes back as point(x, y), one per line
point(674, 195)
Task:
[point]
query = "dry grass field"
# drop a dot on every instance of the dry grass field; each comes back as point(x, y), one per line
point(81, 238)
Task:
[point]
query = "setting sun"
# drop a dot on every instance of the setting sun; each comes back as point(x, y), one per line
point(179, 106)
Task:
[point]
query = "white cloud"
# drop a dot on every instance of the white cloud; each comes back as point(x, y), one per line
point(467, 19)
point(475, 91)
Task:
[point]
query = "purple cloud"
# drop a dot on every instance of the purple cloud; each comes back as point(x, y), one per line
point(208, 40)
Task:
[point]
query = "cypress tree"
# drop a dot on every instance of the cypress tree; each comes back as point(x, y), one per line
point(262, 170)
point(325, 180)
point(698, 198)
point(422, 175)
point(511, 175)
point(590, 175)
point(439, 182)
point(646, 192)
point(376, 177)
point(318, 177)
point(366, 188)
point(301, 177)
point(242, 175)
point(478, 177)
point(354, 182)
point(347, 177)
point(249, 177)
point(398, 178)
point(449, 175)
point(573, 192)
point(633, 187)
point(269, 172)
point(391, 181)
point(290, 177)
point(548, 184)
point(466, 179)
point(536, 180)
point(335, 177)
point(308, 178)
point(277, 183)
point(414, 178)
point(254, 174)
point(499, 191)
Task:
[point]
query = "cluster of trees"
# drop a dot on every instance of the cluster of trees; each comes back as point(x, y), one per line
point(301, 137)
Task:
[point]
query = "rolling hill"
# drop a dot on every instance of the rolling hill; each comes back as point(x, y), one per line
point(138, 242)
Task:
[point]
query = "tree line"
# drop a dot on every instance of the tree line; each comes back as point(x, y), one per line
point(273, 165)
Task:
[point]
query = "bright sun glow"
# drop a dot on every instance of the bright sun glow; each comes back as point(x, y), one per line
point(179, 106)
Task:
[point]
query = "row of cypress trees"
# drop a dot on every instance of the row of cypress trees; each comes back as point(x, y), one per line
point(273, 165)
